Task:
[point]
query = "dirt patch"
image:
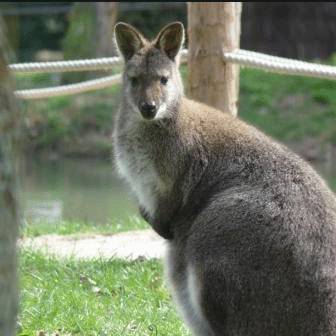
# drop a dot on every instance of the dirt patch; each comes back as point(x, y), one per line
point(130, 245)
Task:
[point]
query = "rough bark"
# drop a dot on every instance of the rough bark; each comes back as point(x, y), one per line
point(213, 28)
point(8, 206)
point(106, 18)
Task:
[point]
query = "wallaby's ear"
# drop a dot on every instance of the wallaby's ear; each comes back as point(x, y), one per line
point(170, 39)
point(129, 40)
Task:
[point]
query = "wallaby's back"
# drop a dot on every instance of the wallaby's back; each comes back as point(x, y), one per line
point(261, 235)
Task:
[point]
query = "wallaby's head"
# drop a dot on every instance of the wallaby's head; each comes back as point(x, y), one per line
point(152, 82)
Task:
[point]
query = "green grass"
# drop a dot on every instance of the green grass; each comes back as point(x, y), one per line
point(94, 298)
point(289, 108)
point(80, 227)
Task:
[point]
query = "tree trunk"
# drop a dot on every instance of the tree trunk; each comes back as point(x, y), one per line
point(213, 28)
point(8, 206)
point(106, 18)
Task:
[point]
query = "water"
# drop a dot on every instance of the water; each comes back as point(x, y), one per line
point(86, 190)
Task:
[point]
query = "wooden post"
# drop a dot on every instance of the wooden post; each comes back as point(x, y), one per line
point(8, 206)
point(213, 28)
point(106, 19)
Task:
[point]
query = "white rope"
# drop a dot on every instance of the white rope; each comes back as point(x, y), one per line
point(280, 64)
point(70, 89)
point(65, 66)
point(280, 59)
point(74, 65)
point(82, 65)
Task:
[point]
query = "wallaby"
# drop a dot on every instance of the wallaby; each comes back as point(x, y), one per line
point(250, 226)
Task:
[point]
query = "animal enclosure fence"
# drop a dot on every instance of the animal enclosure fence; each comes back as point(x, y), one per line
point(241, 57)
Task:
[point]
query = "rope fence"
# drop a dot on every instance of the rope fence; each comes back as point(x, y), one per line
point(74, 65)
point(67, 66)
point(280, 65)
point(66, 90)
point(240, 57)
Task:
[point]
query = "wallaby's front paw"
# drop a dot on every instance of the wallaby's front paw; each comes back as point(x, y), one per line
point(162, 229)
point(144, 214)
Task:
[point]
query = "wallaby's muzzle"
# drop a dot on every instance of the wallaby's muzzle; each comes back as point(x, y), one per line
point(148, 110)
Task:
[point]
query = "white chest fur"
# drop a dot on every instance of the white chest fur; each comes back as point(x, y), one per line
point(134, 162)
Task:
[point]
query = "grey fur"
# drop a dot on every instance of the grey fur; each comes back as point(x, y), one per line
point(253, 221)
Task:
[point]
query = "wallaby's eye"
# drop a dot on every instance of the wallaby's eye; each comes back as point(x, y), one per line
point(164, 80)
point(134, 81)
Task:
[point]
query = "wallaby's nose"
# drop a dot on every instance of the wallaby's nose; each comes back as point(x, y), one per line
point(148, 110)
